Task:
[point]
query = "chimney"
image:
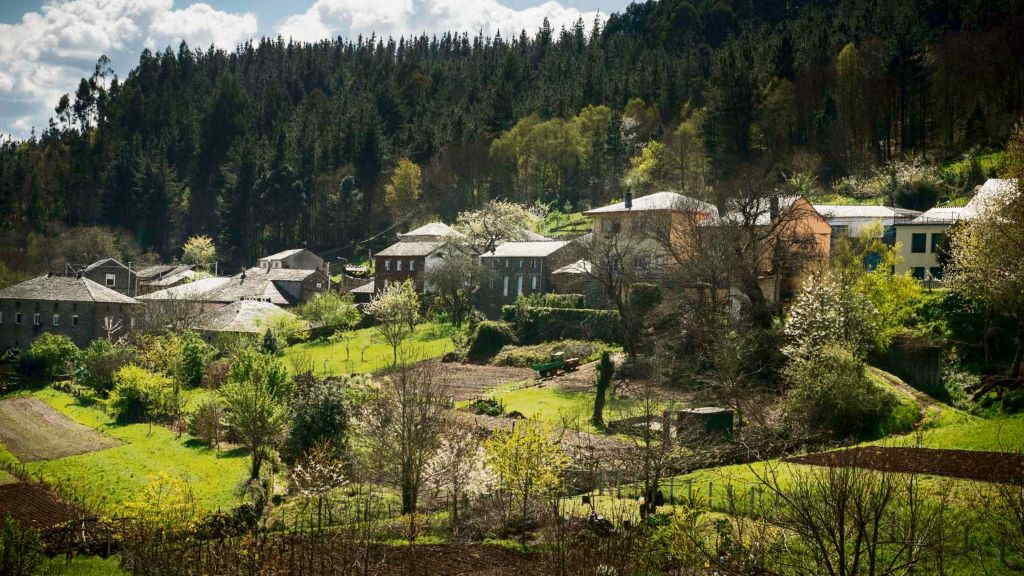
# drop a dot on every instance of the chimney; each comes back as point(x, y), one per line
point(629, 200)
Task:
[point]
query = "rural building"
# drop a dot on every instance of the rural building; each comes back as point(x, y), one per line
point(295, 259)
point(160, 276)
point(75, 306)
point(522, 268)
point(280, 286)
point(242, 317)
point(111, 273)
point(363, 293)
point(571, 278)
point(923, 239)
point(853, 221)
point(432, 232)
point(405, 260)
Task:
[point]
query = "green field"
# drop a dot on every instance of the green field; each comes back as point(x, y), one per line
point(82, 566)
point(571, 408)
point(557, 224)
point(109, 478)
point(365, 352)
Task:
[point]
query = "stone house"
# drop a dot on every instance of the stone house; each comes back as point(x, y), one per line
point(522, 268)
point(408, 259)
point(295, 259)
point(160, 276)
point(111, 273)
point(75, 306)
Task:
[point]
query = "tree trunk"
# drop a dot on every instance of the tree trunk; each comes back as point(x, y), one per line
point(1017, 367)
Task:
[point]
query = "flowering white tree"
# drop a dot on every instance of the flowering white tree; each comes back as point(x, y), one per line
point(827, 312)
point(498, 221)
point(319, 473)
point(458, 470)
point(397, 310)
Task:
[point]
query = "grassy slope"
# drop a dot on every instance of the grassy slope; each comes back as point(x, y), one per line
point(367, 352)
point(558, 224)
point(111, 477)
point(82, 566)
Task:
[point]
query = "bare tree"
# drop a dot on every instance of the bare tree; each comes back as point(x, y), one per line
point(453, 284)
point(402, 420)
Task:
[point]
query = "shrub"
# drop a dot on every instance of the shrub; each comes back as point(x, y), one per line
point(526, 356)
point(100, 360)
point(140, 395)
point(195, 355)
point(207, 421)
point(319, 414)
point(487, 407)
point(216, 373)
point(826, 312)
point(488, 340)
point(161, 353)
point(50, 356)
point(264, 369)
point(547, 300)
point(534, 324)
point(287, 328)
point(831, 391)
point(21, 549)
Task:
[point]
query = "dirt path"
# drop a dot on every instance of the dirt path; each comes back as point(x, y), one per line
point(1003, 467)
point(32, 430)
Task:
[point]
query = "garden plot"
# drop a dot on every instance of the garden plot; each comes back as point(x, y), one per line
point(33, 505)
point(471, 381)
point(32, 430)
point(969, 464)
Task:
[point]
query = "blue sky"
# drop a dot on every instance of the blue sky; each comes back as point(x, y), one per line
point(46, 46)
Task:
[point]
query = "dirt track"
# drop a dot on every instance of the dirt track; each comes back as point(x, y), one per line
point(32, 430)
point(1002, 467)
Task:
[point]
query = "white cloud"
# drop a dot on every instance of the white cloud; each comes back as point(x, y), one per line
point(47, 52)
point(329, 18)
point(201, 25)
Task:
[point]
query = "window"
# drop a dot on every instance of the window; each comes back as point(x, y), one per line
point(936, 272)
point(918, 272)
point(111, 280)
point(519, 286)
point(319, 285)
point(74, 320)
point(504, 290)
point(533, 283)
point(398, 266)
point(17, 317)
point(917, 243)
point(412, 265)
point(387, 265)
point(35, 319)
point(56, 319)
point(938, 239)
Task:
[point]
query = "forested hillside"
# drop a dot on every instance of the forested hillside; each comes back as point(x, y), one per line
point(280, 144)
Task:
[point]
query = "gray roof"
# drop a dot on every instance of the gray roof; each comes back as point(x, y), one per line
point(282, 274)
point(173, 277)
point(160, 270)
point(64, 289)
point(863, 211)
point(246, 316)
point(431, 230)
point(526, 249)
point(258, 284)
point(283, 254)
point(197, 291)
point(104, 262)
point(363, 288)
point(945, 215)
point(577, 267)
point(410, 249)
point(658, 201)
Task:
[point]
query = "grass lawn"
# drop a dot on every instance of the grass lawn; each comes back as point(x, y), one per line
point(82, 566)
point(366, 352)
point(558, 406)
point(560, 224)
point(111, 477)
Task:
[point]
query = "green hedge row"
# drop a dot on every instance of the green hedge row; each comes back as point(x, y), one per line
point(543, 324)
point(550, 300)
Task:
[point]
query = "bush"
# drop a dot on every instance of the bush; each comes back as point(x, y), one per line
point(195, 355)
point(216, 373)
point(535, 324)
point(488, 340)
point(542, 300)
point(21, 549)
point(319, 413)
point(50, 356)
point(100, 360)
point(526, 356)
point(831, 391)
point(487, 407)
point(207, 421)
point(161, 353)
point(263, 369)
point(140, 395)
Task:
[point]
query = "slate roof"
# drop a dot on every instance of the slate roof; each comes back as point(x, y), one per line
point(577, 267)
point(283, 254)
point(657, 201)
point(948, 215)
point(857, 211)
point(363, 288)
point(246, 316)
point(433, 229)
point(282, 274)
point(257, 284)
point(198, 290)
point(410, 249)
point(103, 262)
point(173, 278)
point(161, 270)
point(64, 289)
point(526, 249)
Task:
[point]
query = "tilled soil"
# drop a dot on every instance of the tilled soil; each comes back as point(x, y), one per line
point(1002, 467)
point(33, 505)
point(32, 430)
point(470, 381)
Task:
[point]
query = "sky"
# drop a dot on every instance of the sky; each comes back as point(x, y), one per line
point(47, 46)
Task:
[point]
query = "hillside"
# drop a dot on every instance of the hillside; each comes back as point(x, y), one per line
point(280, 144)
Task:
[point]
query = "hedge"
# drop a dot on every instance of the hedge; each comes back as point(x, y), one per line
point(488, 340)
point(540, 324)
point(549, 300)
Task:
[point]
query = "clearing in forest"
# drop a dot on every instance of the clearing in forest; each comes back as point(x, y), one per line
point(32, 430)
